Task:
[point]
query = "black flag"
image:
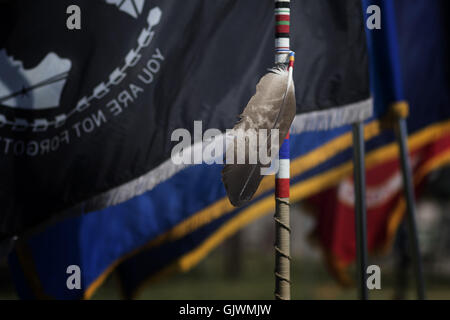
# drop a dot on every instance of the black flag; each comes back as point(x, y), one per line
point(86, 116)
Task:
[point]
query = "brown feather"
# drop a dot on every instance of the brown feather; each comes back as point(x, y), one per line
point(272, 107)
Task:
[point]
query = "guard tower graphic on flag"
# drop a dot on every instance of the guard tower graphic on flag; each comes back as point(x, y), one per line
point(132, 7)
point(33, 88)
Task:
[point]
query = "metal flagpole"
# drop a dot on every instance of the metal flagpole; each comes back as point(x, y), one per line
point(400, 111)
point(282, 224)
point(387, 61)
point(360, 208)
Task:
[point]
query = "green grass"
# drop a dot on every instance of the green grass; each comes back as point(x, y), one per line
point(208, 280)
point(310, 280)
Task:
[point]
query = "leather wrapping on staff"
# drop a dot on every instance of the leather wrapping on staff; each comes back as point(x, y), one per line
point(282, 249)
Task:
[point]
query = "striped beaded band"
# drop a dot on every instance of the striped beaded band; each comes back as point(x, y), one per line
point(282, 28)
point(283, 176)
point(291, 59)
point(282, 179)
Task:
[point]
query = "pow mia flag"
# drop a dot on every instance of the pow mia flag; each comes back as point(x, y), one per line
point(86, 116)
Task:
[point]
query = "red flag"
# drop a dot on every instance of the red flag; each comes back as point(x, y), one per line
point(334, 208)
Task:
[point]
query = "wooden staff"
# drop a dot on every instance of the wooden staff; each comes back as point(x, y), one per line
point(282, 224)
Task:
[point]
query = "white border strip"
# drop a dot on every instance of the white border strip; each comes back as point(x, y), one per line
point(333, 118)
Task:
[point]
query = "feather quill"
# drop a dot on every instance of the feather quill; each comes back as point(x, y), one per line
point(272, 107)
